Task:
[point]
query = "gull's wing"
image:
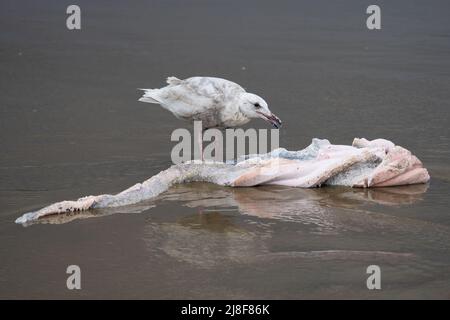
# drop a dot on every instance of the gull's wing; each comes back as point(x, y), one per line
point(185, 98)
point(211, 87)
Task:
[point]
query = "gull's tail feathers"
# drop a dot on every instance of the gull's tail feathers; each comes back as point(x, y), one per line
point(150, 96)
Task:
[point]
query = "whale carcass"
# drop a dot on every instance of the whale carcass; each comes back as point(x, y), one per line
point(376, 163)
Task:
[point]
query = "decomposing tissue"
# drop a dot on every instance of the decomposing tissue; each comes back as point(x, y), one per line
point(376, 163)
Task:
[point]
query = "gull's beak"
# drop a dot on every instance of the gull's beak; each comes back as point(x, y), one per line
point(270, 117)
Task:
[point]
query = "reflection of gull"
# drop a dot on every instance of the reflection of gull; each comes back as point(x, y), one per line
point(211, 239)
point(366, 164)
point(205, 240)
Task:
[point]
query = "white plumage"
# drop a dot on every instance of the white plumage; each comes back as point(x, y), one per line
point(217, 102)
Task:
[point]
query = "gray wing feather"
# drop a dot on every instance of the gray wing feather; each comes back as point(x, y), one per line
point(195, 95)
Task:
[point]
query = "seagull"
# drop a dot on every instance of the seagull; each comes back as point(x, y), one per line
point(216, 102)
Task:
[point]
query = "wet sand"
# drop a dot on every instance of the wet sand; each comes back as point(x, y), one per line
point(71, 125)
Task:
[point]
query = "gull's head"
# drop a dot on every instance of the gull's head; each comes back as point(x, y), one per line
point(253, 106)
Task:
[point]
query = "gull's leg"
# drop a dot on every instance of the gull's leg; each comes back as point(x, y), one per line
point(198, 137)
point(200, 142)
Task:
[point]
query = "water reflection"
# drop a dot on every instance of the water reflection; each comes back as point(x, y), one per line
point(327, 210)
point(215, 240)
point(267, 224)
point(274, 202)
point(277, 223)
point(206, 239)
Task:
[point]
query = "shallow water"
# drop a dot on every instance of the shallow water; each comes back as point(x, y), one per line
point(71, 126)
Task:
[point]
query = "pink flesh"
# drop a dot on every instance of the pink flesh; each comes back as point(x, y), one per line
point(398, 167)
point(414, 176)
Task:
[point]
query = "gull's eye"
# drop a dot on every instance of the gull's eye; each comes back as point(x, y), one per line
point(257, 105)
